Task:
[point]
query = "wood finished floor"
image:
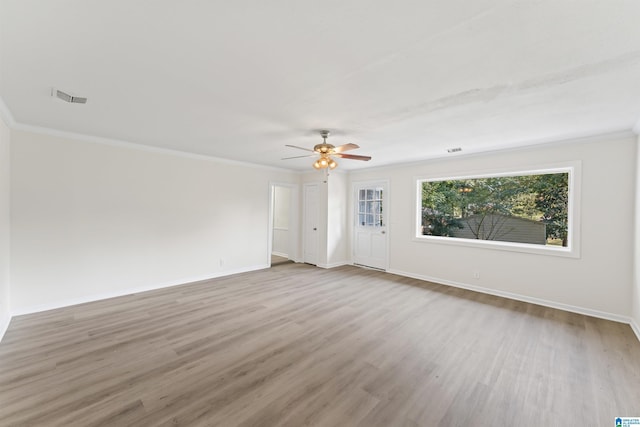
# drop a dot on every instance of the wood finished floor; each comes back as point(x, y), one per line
point(276, 260)
point(296, 345)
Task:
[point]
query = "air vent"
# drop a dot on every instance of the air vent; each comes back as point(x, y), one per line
point(68, 98)
point(454, 150)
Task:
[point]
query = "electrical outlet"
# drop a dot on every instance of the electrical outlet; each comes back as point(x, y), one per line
point(476, 275)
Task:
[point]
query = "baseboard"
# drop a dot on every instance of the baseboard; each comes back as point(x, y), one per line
point(4, 322)
point(4, 325)
point(635, 327)
point(334, 264)
point(538, 301)
point(281, 254)
point(129, 291)
point(367, 267)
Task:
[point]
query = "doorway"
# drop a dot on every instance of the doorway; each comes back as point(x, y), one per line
point(283, 223)
point(370, 228)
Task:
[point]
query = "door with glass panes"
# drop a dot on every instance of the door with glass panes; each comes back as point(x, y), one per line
point(370, 229)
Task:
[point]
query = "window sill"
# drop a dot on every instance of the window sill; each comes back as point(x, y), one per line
point(567, 252)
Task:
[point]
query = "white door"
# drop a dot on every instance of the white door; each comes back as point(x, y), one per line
point(310, 223)
point(370, 231)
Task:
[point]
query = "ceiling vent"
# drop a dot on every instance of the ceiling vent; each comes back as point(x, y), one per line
point(68, 98)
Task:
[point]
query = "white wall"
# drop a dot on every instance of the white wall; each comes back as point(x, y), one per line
point(333, 228)
point(635, 295)
point(93, 220)
point(337, 225)
point(281, 220)
point(4, 227)
point(598, 283)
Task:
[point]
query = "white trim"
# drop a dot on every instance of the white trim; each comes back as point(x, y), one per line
point(272, 195)
point(357, 185)
point(538, 143)
point(305, 221)
point(498, 245)
point(366, 267)
point(4, 325)
point(334, 264)
point(294, 220)
point(635, 327)
point(517, 297)
point(130, 291)
point(530, 145)
point(574, 168)
point(142, 147)
point(280, 254)
point(9, 121)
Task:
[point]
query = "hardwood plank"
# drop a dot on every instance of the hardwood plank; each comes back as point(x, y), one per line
point(297, 345)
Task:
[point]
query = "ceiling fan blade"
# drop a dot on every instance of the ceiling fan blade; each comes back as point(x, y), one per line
point(298, 157)
point(353, 157)
point(345, 147)
point(299, 148)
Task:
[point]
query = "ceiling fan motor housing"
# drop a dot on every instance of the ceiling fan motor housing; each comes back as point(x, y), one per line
point(323, 148)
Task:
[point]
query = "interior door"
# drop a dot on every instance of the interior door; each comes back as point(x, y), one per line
point(310, 223)
point(370, 231)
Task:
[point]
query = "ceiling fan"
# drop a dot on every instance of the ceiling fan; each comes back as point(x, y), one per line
point(325, 152)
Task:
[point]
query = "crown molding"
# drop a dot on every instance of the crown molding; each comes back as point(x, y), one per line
point(8, 118)
point(140, 147)
point(529, 145)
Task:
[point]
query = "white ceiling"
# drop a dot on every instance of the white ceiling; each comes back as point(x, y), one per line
point(404, 79)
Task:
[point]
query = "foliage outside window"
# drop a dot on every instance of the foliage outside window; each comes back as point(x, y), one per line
point(527, 208)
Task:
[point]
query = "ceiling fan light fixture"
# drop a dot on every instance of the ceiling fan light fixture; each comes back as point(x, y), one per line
point(326, 152)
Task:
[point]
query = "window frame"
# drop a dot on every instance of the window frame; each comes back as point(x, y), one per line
point(377, 214)
point(572, 249)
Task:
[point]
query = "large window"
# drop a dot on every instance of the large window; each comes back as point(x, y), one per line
point(532, 209)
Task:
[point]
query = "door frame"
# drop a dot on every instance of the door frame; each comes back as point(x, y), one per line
point(305, 220)
point(294, 220)
point(355, 186)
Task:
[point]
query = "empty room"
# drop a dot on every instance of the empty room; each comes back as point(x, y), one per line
point(408, 213)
